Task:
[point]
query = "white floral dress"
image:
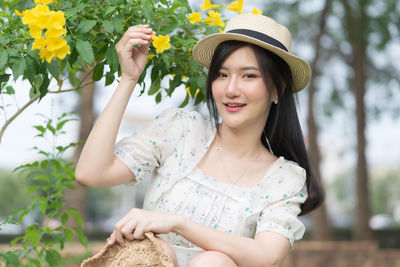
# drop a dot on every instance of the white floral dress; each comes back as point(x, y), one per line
point(168, 151)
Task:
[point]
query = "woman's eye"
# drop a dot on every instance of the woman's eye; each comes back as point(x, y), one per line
point(250, 76)
point(221, 75)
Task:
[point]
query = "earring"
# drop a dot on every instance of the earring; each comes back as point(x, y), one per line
point(276, 100)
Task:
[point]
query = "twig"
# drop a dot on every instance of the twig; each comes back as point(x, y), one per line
point(33, 99)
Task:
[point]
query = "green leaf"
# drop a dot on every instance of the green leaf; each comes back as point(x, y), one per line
point(155, 86)
point(64, 218)
point(98, 72)
point(86, 25)
point(18, 68)
point(4, 78)
point(15, 240)
point(81, 236)
point(109, 78)
point(109, 10)
point(85, 51)
point(54, 69)
point(73, 57)
point(11, 258)
point(42, 178)
point(36, 262)
point(117, 25)
point(43, 207)
point(77, 218)
point(108, 26)
point(148, 12)
point(22, 215)
point(158, 97)
point(9, 90)
point(61, 124)
point(112, 58)
point(3, 59)
point(53, 258)
point(185, 102)
point(68, 234)
point(44, 86)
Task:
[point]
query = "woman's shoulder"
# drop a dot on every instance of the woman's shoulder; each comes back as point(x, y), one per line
point(288, 174)
point(292, 168)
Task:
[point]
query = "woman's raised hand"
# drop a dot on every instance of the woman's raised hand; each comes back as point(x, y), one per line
point(132, 59)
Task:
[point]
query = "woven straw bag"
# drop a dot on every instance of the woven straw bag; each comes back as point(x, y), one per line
point(141, 253)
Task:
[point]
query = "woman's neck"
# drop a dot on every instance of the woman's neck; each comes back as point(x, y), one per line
point(239, 142)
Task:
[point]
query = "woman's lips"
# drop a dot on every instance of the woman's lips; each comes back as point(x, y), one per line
point(234, 107)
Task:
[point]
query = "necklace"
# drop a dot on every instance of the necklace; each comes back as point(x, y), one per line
point(218, 148)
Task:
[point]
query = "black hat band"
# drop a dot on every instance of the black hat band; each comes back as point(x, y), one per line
point(260, 36)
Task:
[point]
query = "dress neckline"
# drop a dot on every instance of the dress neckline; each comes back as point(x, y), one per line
point(266, 175)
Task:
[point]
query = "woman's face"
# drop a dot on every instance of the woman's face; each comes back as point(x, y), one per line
point(239, 91)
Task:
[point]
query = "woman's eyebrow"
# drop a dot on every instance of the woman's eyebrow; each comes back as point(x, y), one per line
point(242, 68)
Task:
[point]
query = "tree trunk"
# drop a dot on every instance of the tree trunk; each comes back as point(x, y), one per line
point(77, 198)
point(361, 229)
point(321, 228)
point(357, 35)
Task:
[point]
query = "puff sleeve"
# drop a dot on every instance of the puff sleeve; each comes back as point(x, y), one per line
point(281, 213)
point(148, 147)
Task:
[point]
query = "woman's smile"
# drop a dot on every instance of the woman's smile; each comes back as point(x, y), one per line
point(240, 92)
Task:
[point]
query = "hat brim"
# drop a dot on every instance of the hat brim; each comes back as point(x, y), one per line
point(204, 51)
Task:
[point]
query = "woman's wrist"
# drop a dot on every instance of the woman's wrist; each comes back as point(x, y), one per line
point(130, 82)
point(179, 224)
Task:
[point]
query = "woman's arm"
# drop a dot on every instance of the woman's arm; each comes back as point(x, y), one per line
point(97, 166)
point(266, 249)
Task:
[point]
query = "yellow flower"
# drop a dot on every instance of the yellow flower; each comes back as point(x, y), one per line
point(40, 17)
point(207, 5)
point(197, 92)
point(236, 6)
point(46, 54)
point(52, 32)
point(39, 43)
point(161, 43)
point(149, 57)
point(44, 2)
point(188, 91)
point(55, 43)
point(62, 52)
point(40, 10)
point(19, 13)
point(35, 31)
point(184, 77)
point(256, 11)
point(56, 20)
point(194, 17)
point(37, 15)
point(214, 18)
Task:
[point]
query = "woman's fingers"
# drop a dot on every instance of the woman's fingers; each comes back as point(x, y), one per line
point(139, 232)
point(128, 229)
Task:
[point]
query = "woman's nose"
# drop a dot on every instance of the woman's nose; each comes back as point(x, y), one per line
point(232, 87)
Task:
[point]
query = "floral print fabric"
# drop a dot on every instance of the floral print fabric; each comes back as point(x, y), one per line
point(168, 151)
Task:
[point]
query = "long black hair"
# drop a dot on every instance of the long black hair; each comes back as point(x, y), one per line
point(282, 127)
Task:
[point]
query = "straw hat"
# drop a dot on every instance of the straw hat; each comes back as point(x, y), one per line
point(262, 31)
point(139, 253)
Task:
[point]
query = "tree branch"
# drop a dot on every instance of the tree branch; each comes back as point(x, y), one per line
point(33, 99)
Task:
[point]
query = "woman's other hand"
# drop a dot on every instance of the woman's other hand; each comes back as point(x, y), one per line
point(132, 51)
point(137, 222)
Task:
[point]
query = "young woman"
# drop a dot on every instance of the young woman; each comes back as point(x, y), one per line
point(225, 191)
